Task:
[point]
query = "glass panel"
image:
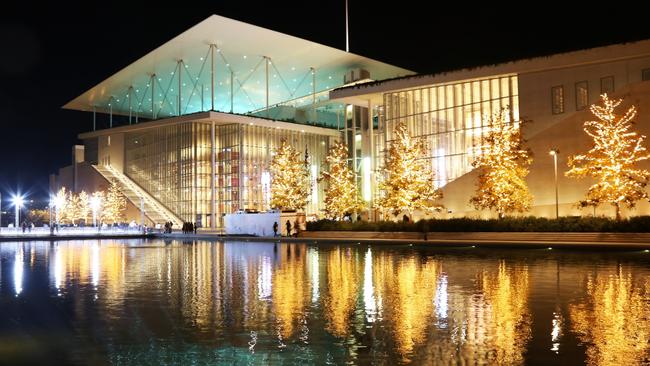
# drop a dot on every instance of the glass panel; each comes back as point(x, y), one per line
point(582, 95)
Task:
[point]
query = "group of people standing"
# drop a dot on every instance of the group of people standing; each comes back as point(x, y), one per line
point(296, 228)
point(189, 228)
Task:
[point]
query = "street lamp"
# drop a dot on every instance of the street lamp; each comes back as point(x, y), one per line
point(18, 202)
point(95, 204)
point(58, 201)
point(554, 152)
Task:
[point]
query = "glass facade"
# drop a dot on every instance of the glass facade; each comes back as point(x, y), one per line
point(173, 164)
point(451, 118)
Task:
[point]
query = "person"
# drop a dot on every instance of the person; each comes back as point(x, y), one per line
point(275, 229)
point(296, 227)
point(24, 226)
point(194, 227)
point(405, 219)
point(288, 228)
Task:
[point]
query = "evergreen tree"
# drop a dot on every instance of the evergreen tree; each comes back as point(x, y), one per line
point(114, 205)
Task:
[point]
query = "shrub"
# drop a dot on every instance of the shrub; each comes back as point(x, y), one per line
point(508, 224)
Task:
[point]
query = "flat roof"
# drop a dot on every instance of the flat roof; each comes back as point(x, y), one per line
point(239, 50)
point(362, 92)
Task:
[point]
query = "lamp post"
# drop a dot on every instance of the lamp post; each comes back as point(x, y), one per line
point(95, 204)
point(554, 153)
point(18, 202)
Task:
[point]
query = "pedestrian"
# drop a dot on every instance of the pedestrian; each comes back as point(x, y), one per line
point(288, 228)
point(194, 227)
point(275, 229)
point(24, 226)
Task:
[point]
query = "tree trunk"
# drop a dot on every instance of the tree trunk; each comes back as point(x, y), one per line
point(618, 211)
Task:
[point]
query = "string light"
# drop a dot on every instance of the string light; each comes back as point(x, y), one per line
point(341, 194)
point(612, 158)
point(503, 166)
point(408, 183)
point(290, 178)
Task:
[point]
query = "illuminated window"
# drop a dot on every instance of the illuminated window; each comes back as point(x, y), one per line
point(582, 95)
point(607, 85)
point(557, 98)
point(645, 75)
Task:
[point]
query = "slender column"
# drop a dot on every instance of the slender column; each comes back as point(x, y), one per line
point(313, 94)
point(241, 166)
point(213, 208)
point(110, 112)
point(180, 64)
point(94, 118)
point(232, 97)
point(211, 77)
point(153, 95)
point(371, 154)
point(347, 29)
point(130, 106)
point(266, 62)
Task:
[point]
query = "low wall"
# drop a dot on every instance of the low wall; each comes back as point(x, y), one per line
point(261, 224)
point(596, 239)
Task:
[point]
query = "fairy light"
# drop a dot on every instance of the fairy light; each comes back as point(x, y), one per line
point(341, 195)
point(408, 183)
point(611, 161)
point(290, 183)
point(502, 163)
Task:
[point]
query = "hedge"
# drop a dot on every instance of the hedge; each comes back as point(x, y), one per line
point(637, 224)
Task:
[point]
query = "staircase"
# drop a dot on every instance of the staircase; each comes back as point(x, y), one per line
point(152, 208)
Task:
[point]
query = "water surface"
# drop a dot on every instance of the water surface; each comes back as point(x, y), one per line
point(154, 302)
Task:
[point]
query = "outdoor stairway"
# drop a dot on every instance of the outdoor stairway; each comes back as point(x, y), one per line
point(155, 211)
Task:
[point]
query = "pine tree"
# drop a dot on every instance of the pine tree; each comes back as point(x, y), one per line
point(408, 183)
point(611, 161)
point(503, 166)
point(114, 205)
point(341, 194)
point(290, 186)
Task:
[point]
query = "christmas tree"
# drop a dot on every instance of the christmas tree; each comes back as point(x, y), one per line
point(503, 166)
point(114, 205)
point(341, 194)
point(408, 183)
point(611, 161)
point(290, 186)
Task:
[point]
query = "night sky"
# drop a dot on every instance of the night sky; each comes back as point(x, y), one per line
point(53, 53)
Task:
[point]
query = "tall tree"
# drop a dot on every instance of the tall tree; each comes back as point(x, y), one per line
point(83, 207)
point(612, 159)
point(114, 205)
point(341, 195)
point(502, 163)
point(290, 186)
point(408, 182)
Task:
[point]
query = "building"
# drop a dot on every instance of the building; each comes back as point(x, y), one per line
point(191, 126)
point(448, 110)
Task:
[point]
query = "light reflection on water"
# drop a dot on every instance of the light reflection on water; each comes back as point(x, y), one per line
point(155, 302)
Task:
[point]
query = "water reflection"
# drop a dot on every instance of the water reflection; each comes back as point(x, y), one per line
point(613, 319)
point(174, 302)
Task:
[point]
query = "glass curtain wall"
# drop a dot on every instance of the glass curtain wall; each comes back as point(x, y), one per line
point(451, 118)
point(172, 163)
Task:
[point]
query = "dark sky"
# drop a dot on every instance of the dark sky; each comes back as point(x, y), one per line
point(53, 53)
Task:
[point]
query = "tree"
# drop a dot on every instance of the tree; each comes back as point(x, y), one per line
point(38, 217)
point(341, 194)
point(503, 164)
point(290, 187)
point(408, 180)
point(70, 211)
point(61, 204)
point(83, 207)
point(611, 160)
point(114, 205)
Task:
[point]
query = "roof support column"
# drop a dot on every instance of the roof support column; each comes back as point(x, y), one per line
point(180, 63)
point(266, 64)
point(94, 118)
point(130, 106)
point(110, 112)
point(213, 189)
point(313, 94)
point(153, 95)
point(371, 165)
point(232, 97)
point(211, 77)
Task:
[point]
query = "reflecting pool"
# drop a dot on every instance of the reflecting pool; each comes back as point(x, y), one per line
point(155, 302)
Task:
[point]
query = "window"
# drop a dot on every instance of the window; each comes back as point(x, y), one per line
point(582, 95)
point(607, 85)
point(557, 99)
point(645, 75)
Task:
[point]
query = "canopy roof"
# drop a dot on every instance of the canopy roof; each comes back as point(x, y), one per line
point(241, 52)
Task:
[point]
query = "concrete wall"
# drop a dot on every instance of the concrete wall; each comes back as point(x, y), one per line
point(261, 224)
point(110, 149)
point(568, 136)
